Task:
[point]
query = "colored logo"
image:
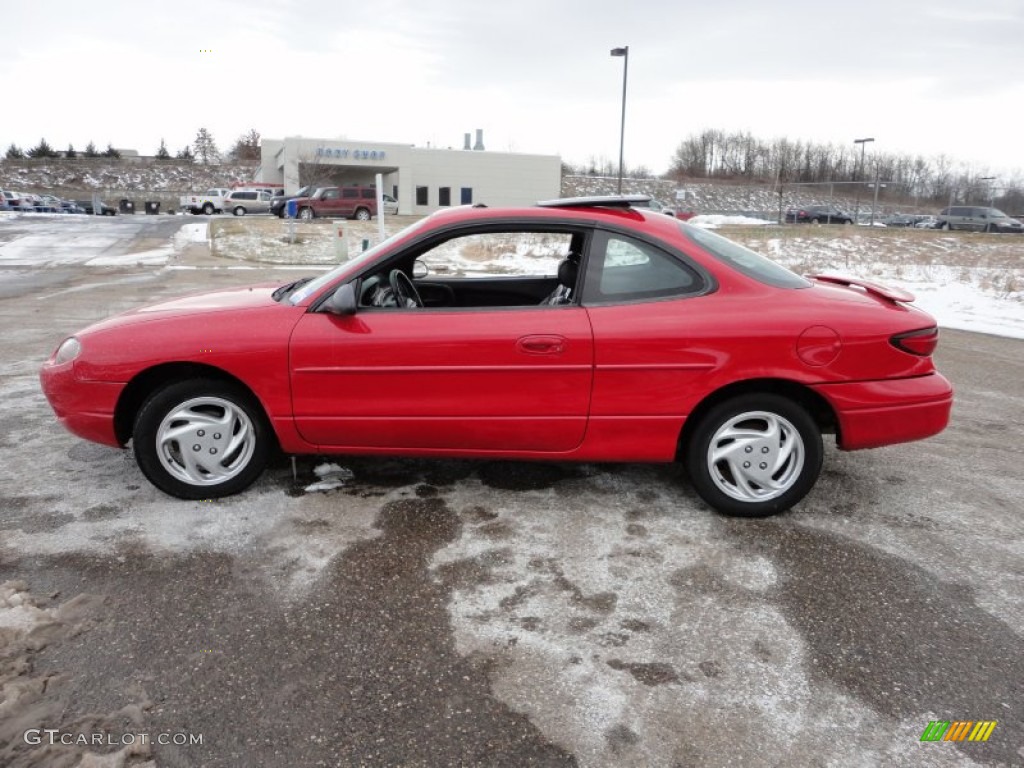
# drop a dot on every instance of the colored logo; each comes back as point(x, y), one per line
point(958, 730)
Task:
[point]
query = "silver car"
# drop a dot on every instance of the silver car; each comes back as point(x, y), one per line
point(978, 219)
point(243, 201)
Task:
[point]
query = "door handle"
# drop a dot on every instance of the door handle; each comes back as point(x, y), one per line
point(542, 345)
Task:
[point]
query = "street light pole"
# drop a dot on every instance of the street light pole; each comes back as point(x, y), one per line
point(624, 53)
point(856, 199)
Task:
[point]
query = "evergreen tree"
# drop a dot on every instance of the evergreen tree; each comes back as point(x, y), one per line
point(90, 150)
point(185, 154)
point(71, 151)
point(206, 148)
point(111, 152)
point(162, 153)
point(42, 150)
point(14, 152)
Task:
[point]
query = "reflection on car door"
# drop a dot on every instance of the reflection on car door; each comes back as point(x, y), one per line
point(505, 379)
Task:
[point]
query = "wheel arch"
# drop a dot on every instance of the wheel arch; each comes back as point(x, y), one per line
point(146, 382)
point(818, 407)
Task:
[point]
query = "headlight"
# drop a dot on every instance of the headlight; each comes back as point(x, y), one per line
point(67, 351)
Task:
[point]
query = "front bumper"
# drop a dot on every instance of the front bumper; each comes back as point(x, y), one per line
point(875, 413)
point(85, 408)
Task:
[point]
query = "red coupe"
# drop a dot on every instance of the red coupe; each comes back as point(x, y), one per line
point(581, 329)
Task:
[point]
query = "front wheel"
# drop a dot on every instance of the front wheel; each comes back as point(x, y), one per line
point(362, 215)
point(754, 455)
point(306, 214)
point(208, 209)
point(946, 226)
point(201, 439)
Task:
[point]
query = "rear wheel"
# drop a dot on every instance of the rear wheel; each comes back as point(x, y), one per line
point(754, 455)
point(208, 209)
point(201, 439)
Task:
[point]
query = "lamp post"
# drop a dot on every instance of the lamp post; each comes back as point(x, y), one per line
point(624, 53)
point(856, 199)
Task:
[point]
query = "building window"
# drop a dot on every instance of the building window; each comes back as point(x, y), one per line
point(467, 196)
point(444, 196)
point(421, 196)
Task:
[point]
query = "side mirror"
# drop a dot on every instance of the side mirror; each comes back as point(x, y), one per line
point(420, 270)
point(343, 300)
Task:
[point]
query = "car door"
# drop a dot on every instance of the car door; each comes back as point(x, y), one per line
point(651, 357)
point(459, 379)
point(329, 203)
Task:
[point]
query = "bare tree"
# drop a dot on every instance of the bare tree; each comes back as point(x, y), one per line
point(205, 147)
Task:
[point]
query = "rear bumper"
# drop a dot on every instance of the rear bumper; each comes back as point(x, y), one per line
point(875, 413)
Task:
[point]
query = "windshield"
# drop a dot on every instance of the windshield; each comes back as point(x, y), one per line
point(313, 286)
point(750, 263)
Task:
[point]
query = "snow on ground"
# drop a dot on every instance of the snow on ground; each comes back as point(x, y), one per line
point(714, 221)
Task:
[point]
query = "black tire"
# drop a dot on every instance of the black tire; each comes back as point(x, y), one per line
point(946, 226)
point(208, 209)
point(244, 439)
point(988, 228)
point(239, 211)
point(307, 214)
point(796, 449)
point(363, 214)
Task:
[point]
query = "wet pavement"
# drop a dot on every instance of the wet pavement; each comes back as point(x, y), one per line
point(457, 613)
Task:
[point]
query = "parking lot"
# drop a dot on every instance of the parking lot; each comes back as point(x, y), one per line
point(435, 613)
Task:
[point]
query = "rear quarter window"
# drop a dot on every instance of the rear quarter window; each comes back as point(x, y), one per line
point(744, 260)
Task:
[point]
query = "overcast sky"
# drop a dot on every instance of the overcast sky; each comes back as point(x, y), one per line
point(920, 76)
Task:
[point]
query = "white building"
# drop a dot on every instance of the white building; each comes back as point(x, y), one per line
point(421, 179)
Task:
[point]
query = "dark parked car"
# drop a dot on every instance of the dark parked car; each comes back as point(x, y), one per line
point(905, 219)
point(86, 206)
point(621, 335)
point(279, 205)
point(818, 214)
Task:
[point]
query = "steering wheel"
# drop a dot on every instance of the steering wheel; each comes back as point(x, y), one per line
point(406, 295)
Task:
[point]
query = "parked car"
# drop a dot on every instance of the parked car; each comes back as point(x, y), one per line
point(904, 219)
point(353, 202)
point(390, 205)
point(243, 201)
point(17, 201)
point(660, 207)
point(639, 346)
point(818, 214)
point(279, 205)
point(86, 206)
point(978, 219)
point(927, 222)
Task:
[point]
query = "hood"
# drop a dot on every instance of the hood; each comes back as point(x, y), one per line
point(227, 300)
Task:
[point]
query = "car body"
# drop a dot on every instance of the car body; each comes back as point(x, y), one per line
point(600, 332)
point(905, 219)
point(927, 222)
point(17, 201)
point(208, 203)
point(87, 207)
point(244, 201)
point(976, 218)
point(353, 202)
point(818, 214)
point(390, 205)
point(279, 204)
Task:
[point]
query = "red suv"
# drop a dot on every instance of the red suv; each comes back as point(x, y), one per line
point(339, 202)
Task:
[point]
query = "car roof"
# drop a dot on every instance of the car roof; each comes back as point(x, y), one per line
point(612, 208)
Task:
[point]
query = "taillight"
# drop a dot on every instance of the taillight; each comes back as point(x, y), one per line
point(921, 342)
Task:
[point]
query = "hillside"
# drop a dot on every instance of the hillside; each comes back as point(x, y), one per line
point(143, 179)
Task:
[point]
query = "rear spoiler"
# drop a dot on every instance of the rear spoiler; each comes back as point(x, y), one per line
point(876, 289)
